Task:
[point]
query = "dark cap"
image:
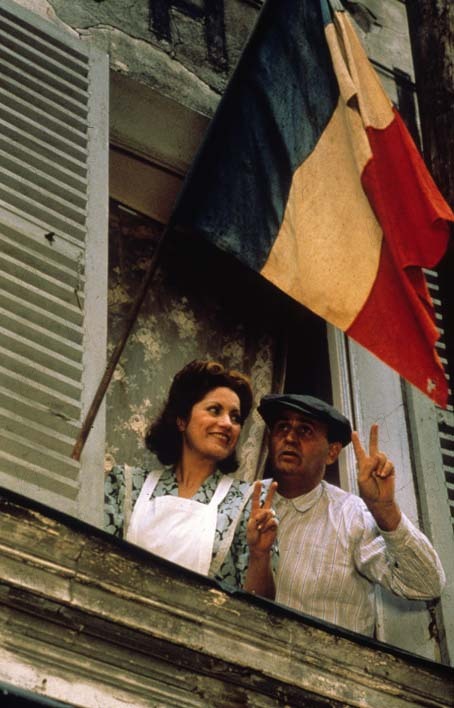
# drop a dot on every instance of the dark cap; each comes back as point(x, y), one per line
point(339, 428)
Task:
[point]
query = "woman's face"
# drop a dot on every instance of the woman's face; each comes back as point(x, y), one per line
point(214, 425)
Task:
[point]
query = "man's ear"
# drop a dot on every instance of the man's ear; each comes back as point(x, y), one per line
point(334, 452)
point(181, 424)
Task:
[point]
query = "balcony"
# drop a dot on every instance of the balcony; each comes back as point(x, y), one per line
point(93, 621)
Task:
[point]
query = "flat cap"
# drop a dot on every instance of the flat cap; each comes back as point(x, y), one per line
point(339, 428)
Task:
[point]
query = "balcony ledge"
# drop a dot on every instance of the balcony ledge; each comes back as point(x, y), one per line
point(94, 621)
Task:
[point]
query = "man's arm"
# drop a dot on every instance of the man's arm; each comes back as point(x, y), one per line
point(410, 567)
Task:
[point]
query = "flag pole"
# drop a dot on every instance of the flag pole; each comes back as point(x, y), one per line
point(116, 354)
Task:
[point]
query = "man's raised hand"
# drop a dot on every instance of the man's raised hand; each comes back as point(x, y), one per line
point(376, 481)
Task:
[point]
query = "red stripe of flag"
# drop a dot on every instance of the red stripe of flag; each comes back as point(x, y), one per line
point(397, 322)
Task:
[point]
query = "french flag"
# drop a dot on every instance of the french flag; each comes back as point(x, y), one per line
point(309, 176)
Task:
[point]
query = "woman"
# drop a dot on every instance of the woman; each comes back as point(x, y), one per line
point(192, 512)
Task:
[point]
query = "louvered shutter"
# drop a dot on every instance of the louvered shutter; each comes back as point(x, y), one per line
point(53, 261)
point(445, 418)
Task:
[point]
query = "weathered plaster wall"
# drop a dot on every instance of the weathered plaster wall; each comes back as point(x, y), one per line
point(194, 308)
point(184, 51)
point(187, 51)
point(383, 27)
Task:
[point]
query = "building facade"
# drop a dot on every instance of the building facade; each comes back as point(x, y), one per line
point(103, 109)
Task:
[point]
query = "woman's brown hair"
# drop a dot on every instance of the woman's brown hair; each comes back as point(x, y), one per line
point(188, 387)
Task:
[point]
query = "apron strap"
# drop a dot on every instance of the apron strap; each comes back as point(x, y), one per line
point(127, 501)
point(150, 483)
point(147, 490)
point(226, 542)
point(221, 490)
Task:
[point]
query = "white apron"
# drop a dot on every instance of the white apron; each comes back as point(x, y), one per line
point(181, 530)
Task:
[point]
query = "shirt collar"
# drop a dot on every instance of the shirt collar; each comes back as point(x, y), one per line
point(304, 501)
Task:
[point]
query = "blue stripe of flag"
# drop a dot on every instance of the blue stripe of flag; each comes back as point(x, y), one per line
point(274, 110)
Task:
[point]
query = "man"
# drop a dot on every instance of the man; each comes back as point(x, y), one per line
point(333, 545)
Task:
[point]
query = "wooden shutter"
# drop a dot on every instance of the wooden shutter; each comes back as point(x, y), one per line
point(53, 235)
point(445, 418)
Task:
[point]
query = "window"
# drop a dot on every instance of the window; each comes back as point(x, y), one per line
point(368, 391)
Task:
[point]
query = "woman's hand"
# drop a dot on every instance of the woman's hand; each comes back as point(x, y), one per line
point(262, 524)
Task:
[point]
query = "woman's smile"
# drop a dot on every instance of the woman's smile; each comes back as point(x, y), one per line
point(222, 436)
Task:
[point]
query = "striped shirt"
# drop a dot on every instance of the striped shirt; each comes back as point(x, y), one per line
point(332, 553)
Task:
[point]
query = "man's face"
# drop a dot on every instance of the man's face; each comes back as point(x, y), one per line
point(299, 452)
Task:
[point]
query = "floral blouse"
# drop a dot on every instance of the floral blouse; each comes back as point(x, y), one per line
point(233, 570)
